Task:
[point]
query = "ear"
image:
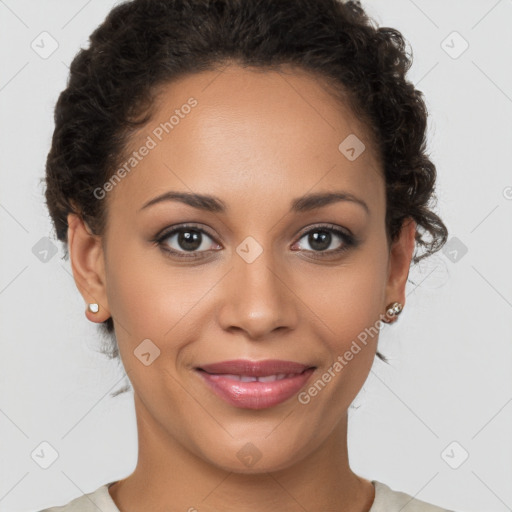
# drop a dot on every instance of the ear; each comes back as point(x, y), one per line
point(400, 256)
point(88, 266)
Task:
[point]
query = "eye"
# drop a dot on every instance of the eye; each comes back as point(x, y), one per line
point(190, 241)
point(185, 241)
point(326, 239)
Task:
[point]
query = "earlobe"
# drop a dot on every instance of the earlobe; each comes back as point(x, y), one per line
point(400, 257)
point(87, 263)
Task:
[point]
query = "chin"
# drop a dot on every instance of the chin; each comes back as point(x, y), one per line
point(252, 454)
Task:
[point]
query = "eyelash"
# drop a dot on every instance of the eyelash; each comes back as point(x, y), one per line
point(348, 240)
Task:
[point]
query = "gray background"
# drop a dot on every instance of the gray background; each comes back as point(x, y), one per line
point(451, 352)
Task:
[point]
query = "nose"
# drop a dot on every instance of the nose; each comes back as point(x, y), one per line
point(258, 298)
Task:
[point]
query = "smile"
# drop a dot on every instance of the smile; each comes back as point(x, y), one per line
point(266, 378)
point(255, 384)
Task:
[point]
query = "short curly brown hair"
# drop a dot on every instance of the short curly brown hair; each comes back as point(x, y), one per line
point(144, 44)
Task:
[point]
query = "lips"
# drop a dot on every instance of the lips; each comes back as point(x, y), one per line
point(261, 378)
point(255, 384)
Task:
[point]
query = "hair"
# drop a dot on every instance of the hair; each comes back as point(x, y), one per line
point(145, 44)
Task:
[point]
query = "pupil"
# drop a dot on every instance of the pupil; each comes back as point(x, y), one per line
point(189, 240)
point(320, 240)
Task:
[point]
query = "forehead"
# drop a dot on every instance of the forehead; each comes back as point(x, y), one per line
point(227, 131)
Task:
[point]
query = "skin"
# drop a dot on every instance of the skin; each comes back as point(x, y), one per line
point(257, 141)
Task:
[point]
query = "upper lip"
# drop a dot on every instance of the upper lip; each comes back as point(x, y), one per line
point(254, 368)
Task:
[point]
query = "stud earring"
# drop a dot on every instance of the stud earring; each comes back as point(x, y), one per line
point(393, 310)
point(93, 308)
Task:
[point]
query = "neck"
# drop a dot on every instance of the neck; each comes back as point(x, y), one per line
point(168, 476)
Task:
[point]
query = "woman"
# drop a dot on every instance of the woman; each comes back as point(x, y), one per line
point(242, 186)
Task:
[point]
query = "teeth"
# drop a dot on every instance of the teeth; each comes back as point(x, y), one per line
point(246, 378)
point(266, 378)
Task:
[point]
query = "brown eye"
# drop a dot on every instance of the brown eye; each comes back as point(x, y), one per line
point(319, 240)
point(189, 240)
point(186, 239)
point(326, 239)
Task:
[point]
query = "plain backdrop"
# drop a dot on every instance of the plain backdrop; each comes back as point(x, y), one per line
point(435, 423)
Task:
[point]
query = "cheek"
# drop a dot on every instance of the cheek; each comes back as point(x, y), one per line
point(150, 298)
point(349, 301)
point(145, 299)
point(349, 298)
point(350, 308)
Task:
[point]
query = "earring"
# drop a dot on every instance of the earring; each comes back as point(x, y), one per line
point(93, 308)
point(393, 310)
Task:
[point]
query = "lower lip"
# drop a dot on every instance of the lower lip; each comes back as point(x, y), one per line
point(255, 395)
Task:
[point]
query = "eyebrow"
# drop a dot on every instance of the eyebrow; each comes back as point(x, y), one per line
point(214, 204)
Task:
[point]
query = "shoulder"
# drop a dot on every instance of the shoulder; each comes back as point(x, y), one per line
point(100, 499)
point(386, 500)
point(389, 500)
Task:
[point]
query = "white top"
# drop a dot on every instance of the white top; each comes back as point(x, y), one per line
point(386, 500)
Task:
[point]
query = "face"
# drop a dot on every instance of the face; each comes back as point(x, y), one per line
point(259, 272)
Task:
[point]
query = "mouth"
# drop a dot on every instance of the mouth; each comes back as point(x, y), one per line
point(255, 384)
